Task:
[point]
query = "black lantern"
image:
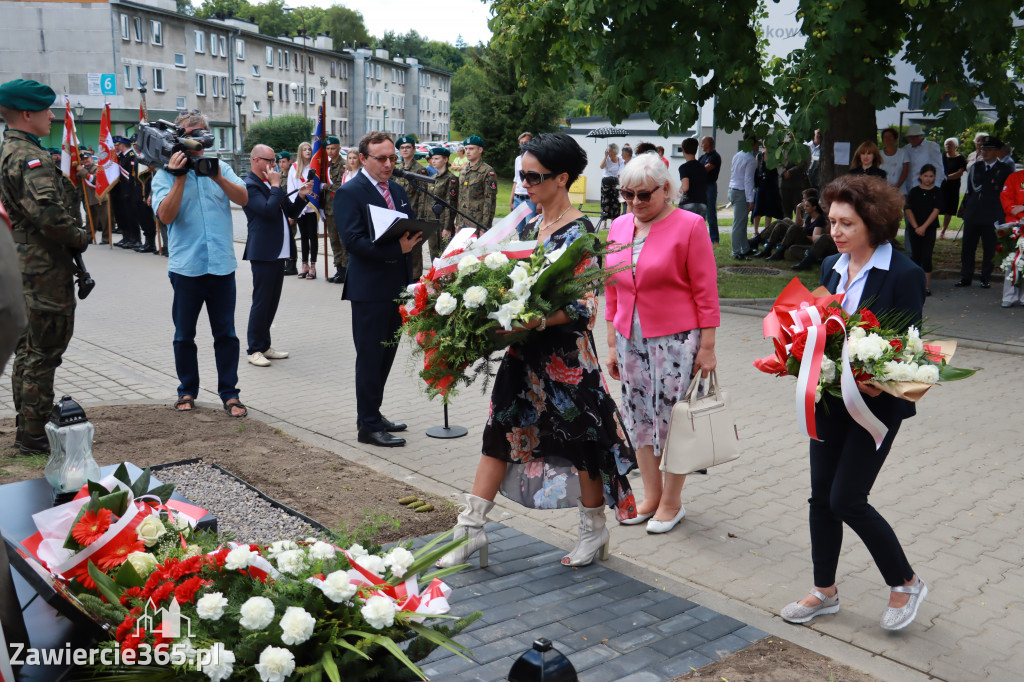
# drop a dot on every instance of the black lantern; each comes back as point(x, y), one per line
point(71, 463)
point(542, 663)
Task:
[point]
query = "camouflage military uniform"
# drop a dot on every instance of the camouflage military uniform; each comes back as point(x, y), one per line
point(337, 172)
point(478, 195)
point(446, 186)
point(46, 236)
point(421, 203)
point(70, 197)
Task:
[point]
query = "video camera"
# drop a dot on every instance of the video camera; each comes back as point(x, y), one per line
point(158, 141)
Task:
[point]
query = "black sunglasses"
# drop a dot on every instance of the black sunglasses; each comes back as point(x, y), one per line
point(629, 195)
point(533, 178)
point(261, 158)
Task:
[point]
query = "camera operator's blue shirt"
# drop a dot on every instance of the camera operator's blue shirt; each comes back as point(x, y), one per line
point(200, 241)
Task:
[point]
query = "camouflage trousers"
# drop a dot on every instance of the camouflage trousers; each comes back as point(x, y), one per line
point(39, 353)
point(337, 248)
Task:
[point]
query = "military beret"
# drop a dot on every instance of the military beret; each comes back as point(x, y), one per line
point(405, 139)
point(22, 95)
point(333, 140)
point(475, 139)
point(120, 139)
point(54, 150)
point(284, 155)
point(440, 151)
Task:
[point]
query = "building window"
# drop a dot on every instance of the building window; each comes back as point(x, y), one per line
point(344, 69)
point(213, 87)
point(280, 63)
point(256, 106)
point(239, 49)
point(223, 86)
point(223, 46)
point(332, 127)
point(179, 104)
point(309, 65)
point(127, 76)
point(156, 31)
point(312, 95)
point(126, 31)
point(333, 95)
point(137, 24)
point(139, 75)
point(287, 61)
point(394, 75)
point(201, 84)
point(295, 61)
point(223, 137)
point(158, 80)
point(200, 42)
point(270, 57)
point(334, 73)
point(213, 45)
point(380, 70)
point(179, 59)
point(255, 70)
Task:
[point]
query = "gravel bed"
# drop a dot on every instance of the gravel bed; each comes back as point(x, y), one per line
point(239, 510)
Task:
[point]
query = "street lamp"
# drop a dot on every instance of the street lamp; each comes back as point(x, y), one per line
point(305, 67)
point(270, 100)
point(79, 110)
point(237, 89)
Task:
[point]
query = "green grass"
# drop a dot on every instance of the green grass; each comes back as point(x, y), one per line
point(505, 193)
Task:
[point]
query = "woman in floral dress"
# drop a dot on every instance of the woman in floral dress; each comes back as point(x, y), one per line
point(553, 438)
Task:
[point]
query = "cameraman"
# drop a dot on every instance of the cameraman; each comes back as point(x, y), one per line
point(200, 242)
point(46, 238)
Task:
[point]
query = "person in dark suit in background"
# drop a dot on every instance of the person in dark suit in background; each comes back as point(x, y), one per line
point(377, 273)
point(864, 213)
point(981, 210)
point(267, 244)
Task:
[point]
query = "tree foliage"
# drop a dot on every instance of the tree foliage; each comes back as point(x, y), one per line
point(346, 27)
point(430, 52)
point(667, 57)
point(281, 133)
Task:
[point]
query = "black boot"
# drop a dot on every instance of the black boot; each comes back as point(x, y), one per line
point(755, 241)
point(31, 444)
point(146, 248)
point(289, 267)
point(767, 251)
point(806, 263)
point(779, 254)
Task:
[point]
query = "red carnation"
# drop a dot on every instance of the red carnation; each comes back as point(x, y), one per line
point(999, 248)
point(799, 343)
point(186, 591)
point(162, 593)
point(897, 344)
point(130, 593)
point(126, 626)
point(861, 376)
point(868, 319)
point(91, 526)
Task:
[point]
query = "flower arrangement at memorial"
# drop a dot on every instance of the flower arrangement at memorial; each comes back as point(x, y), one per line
point(1011, 249)
point(832, 352)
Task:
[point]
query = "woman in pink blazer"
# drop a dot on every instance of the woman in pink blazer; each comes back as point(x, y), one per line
point(662, 314)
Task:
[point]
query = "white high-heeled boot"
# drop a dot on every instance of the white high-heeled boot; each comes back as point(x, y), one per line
point(471, 522)
point(593, 538)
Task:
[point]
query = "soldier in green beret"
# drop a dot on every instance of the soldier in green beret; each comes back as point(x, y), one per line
point(478, 186)
point(335, 176)
point(446, 186)
point(47, 238)
point(421, 203)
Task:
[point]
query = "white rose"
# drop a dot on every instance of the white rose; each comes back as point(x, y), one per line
point(469, 263)
point(337, 587)
point(495, 260)
point(475, 297)
point(356, 551)
point(144, 563)
point(150, 530)
point(828, 371)
point(321, 550)
point(379, 612)
point(399, 560)
point(372, 563)
point(257, 613)
point(211, 606)
point(239, 558)
point(296, 625)
point(279, 546)
point(446, 304)
point(927, 374)
point(221, 662)
point(276, 664)
point(291, 561)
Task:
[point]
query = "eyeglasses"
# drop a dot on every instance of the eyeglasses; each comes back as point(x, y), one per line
point(533, 178)
point(261, 158)
point(406, 146)
point(383, 159)
point(630, 195)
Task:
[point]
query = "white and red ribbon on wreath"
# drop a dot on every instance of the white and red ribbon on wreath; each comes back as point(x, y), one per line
point(407, 596)
point(491, 241)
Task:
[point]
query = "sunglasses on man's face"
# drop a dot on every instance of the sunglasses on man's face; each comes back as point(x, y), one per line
point(533, 178)
point(630, 195)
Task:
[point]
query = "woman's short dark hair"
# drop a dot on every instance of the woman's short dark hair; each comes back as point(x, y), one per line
point(645, 147)
point(559, 153)
point(891, 131)
point(879, 204)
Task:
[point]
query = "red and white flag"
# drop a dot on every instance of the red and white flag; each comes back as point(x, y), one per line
point(69, 158)
point(109, 170)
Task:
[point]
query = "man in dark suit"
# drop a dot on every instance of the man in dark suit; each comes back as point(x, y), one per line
point(267, 246)
point(981, 211)
point(376, 275)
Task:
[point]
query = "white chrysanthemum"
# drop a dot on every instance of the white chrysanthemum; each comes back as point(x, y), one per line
point(356, 551)
point(495, 260)
point(211, 606)
point(372, 563)
point(296, 625)
point(321, 550)
point(257, 613)
point(338, 587)
point(446, 304)
point(475, 297)
point(219, 662)
point(239, 558)
point(898, 371)
point(399, 560)
point(144, 563)
point(150, 530)
point(828, 371)
point(871, 347)
point(292, 561)
point(469, 263)
point(914, 343)
point(279, 546)
point(927, 374)
point(276, 664)
point(857, 333)
point(379, 612)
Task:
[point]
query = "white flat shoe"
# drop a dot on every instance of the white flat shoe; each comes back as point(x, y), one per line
point(272, 354)
point(897, 619)
point(798, 613)
point(259, 360)
point(655, 527)
point(637, 520)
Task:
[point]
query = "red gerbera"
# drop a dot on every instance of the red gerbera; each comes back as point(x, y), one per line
point(113, 556)
point(91, 526)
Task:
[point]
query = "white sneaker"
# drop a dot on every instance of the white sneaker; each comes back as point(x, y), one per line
point(275, 354)
point(259, 360)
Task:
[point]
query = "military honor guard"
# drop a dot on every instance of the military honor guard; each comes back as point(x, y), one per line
point(47, 238)
point(446, 186)
point(478, 186)
point(421, 203)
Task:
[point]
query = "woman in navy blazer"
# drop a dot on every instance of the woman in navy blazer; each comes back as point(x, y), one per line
point(864, 213)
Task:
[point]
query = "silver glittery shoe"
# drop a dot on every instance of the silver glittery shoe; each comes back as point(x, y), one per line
point(798, 613)
point(897, 619)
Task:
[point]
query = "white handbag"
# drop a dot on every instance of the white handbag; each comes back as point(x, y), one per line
point(702, 432)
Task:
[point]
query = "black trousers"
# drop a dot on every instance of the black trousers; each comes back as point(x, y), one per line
point(307, 235)
point(267, 280)
point(374, 326)
point(127, 220)
point(972, 233)
point(844, 466)
point(144, 215)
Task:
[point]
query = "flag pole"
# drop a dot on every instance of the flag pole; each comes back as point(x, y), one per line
point(88, 215)
point(110, 230)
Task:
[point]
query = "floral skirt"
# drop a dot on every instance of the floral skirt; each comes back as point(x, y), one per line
point(655, 374)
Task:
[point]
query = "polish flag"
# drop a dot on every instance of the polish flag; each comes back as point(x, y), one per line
point(109, 170)
point(69, 158)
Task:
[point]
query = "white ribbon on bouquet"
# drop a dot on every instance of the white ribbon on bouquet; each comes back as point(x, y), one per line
point(490, 241)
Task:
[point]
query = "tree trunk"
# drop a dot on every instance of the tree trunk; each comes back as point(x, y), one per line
point(853, 122)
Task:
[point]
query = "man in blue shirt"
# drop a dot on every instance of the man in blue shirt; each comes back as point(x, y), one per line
point(197, 213)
